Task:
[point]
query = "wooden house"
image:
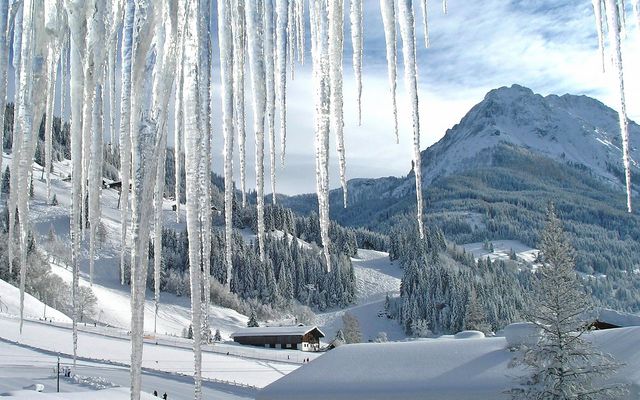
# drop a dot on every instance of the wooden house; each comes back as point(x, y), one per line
point(300, 337)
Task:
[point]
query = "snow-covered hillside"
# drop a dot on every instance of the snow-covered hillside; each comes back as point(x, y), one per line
point(502, 250)
point(33, 308)
point(113, 300)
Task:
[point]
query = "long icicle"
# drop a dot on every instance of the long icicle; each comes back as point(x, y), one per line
point(178, 128)
point(320, 56)
point(205, 157)
point(269, 50)
point(144, 155)
point(255, 36)
point(24, 120)
point(336, 49)
point(613, 20)
point(597, 12)
point(4, 60)
point(17, 133)
point(407, 31)
point(227, 81)
point(282, 20)
point(357, 40)
point(125, 130)
point(95, 176)
point(52, 67)
point(389, 21)
point(239, 43)
point(193, 141)
point(292, 34)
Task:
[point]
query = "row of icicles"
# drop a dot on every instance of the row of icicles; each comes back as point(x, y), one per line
point(164, 51)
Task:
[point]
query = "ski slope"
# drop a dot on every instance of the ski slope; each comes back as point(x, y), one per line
point(376, 276)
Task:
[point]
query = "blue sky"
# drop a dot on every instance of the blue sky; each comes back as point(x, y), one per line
point(547, 45)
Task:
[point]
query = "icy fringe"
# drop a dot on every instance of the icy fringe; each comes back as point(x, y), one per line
point(614, 13)
point(165, 52)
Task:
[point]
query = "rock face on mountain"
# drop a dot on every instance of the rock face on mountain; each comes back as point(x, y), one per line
point(570, 129)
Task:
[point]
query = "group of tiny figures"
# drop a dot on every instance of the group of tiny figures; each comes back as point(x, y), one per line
point(164, 396)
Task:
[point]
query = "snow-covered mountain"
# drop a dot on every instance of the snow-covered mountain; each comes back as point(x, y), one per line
point(570, 129)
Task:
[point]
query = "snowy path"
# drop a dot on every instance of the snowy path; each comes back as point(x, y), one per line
point(93, 346)
point(21, 367)
point(376, 277)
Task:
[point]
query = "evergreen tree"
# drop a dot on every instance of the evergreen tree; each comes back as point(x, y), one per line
point(474, 318)
point(253, 320)
point(562, 364)
point(54, 200)
point(217, 337)
point(6, 179)
point(351, 326)
point(190, 332)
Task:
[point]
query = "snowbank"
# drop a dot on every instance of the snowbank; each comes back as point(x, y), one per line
point(471, 369)
point(521, 334)
point(106, 394)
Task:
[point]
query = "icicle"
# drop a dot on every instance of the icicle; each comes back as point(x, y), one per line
point(622, 18)
point(239, 38)
point(320, 57)
point(64, 67)
point(613, 20)
point(444, 6)
point(125, 128)
point(157, 225)
point(336, 40)
point(389, 21)
point(111, 72)
point(178, 138)
point(300, 35)
point(24, 116)
point(269, 51)
point(292, 33)
point(282, 20)
point(95, 176)
point(357, 38)
point(597, 11)
point(228, 84)
point(205, 156)
point(162, 92)
point(17, 133)
point(4, 60)
point(425, 21)
point(193, 141)
point(78, 32)
point(146, 91)
point(52, 66)
point(255, 35)
point(407, 31)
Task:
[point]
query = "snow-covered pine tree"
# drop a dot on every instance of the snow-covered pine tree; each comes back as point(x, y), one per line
point(253, 320)
point(562, 364)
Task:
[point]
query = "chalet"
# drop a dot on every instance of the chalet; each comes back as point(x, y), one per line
point(604, 318)
point(300, 337)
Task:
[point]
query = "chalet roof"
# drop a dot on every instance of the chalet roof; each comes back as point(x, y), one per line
point(616, 318)
point(296, 330)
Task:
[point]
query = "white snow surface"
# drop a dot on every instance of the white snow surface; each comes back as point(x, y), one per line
point(376, 277)
point(470, 369)
point(502, 250)
point(33, 308)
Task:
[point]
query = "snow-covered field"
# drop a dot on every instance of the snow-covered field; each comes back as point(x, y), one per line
point(502, 250)
point(376, 277)
point(22, 368)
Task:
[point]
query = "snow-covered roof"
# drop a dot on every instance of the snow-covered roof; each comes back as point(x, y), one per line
point(296, 330)
point(438, 369)
point(617, 318)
